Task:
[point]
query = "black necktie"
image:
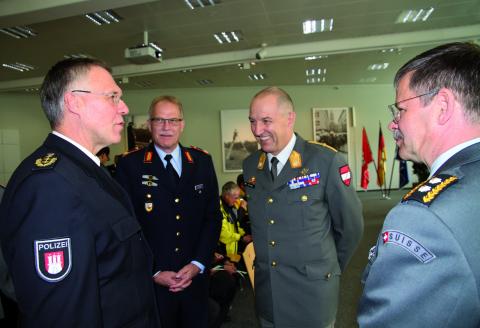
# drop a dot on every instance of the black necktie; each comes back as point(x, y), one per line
point(273, 169)
point(170, 170)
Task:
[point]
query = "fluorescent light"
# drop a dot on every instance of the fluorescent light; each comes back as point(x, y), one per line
point(316, 57)
point(103, 17)
point(315, 71)
point(204, 82)
point(313, 80)
point(228, 37)
point(195, 4)
point(257, 76)
point(317, 26)
point(19, 32)
point(19, 67)
point(378, 67)
point(414, 15)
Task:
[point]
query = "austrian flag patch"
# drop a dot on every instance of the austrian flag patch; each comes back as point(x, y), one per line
point(345, 175)
point(53, 258)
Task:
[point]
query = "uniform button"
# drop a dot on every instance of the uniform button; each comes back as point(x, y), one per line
point(304, 198)
point(328, 275)
point(272, 221)
point(177, 249)
point(178, 233)
point(274, 264)
point(272, 243)
point(177, 200)
point(149, 196)
point(177, 216)
point(270, 200)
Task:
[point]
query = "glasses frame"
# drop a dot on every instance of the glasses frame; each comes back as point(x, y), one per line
point(162, 121)
point(397, 111)
point(114, 96)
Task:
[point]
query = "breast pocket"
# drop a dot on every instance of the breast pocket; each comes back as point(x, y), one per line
point(125, 228)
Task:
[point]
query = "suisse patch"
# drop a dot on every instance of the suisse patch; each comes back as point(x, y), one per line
point(345, 175)
point(53, 258)
point(411, 245)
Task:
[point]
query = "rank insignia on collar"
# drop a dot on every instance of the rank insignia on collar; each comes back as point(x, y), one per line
point(345, 175)
point(427, 191)
point(188, 156)
point(304, 181)
point(251, 182)
point(295, 159)
point(148, 157)
point(47, 161)
point(261, 161)
point(53, 258)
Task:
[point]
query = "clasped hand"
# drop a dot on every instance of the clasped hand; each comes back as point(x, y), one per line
point(177, 281)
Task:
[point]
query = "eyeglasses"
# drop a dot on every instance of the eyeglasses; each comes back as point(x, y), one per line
point(161, 121)
point(397, 111)
point(114, 96)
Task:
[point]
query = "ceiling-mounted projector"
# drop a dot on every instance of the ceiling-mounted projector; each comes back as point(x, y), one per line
point(143, 54)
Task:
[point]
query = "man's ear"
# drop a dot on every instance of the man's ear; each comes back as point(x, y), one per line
point(446, 103)
point(291, 118)
point(71, 103)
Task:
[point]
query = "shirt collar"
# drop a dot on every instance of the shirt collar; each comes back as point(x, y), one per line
point(76, 144)
point(440, 160)
point(284, 154)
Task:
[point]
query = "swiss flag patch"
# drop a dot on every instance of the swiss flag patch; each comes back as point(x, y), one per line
point(345, 175)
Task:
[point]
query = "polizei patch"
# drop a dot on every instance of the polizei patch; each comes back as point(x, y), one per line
point(408, 243)
point(53, 258)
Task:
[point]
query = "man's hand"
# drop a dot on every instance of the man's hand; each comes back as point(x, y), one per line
point(184, 277)
point(247, 239)
point(165, 278)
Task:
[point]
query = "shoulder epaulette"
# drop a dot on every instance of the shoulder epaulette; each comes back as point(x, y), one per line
point(199, 149)
point(427, 191)
point(128, 152)
point(47, 161)
point(323, 145)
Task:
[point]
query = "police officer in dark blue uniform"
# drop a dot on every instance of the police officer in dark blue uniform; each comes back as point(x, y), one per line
point(69, 234)
point(175, 194)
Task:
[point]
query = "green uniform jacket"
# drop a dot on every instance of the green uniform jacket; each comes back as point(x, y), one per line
point(304, 230)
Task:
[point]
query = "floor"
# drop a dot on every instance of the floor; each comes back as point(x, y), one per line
point(375, 208)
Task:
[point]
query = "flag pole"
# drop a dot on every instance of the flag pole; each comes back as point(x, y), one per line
point(391, 173)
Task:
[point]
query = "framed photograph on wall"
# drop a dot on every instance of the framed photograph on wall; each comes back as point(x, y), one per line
point(237, 139)
point(137, 134)
point(331, 126)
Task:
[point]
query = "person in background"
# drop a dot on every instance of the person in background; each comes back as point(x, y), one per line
point(8, 306)
point(104, 156)
point(232, 235)
point(425, 268)
point(305, 214)
point(175, 194)
point(75, 251)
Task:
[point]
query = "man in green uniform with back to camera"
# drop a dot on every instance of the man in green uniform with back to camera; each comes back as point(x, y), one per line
point(306, 218)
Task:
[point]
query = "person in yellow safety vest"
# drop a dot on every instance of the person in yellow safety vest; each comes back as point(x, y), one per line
point(232, 235)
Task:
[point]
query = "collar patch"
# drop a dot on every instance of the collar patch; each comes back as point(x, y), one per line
point(408, 243)
point(148, 157)
point(188, 156)
point(261, 161)
point(427, 191)
point(53, 258)
point(295, 159)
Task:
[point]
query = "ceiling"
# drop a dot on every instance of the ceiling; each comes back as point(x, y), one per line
point(362, 28)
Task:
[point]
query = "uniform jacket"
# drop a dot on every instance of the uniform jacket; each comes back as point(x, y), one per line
point(60, 199)
point(425, 268)
point(231, 233)
point(303, 235)
point(181, 223)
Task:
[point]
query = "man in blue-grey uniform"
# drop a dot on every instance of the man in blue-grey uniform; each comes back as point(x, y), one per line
point(425, 268)
point(174, 191)
point(305, 216)
point(75, 251)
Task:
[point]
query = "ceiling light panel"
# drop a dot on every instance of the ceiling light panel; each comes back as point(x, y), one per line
point(104, 17)
point(378, 67)
point(19, 32)
point(318, 26)
point(314, 80)
point(195, 4)
point(414, 15)
point(228, 37)
point(19, 67)
point(316, 57)
point(257, 76)
point(315, 71)
point(205, 82)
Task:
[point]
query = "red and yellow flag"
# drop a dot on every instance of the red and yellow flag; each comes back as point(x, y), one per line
point(367, 159)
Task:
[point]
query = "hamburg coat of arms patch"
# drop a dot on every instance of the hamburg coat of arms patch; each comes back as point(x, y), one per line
point(53, 258)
